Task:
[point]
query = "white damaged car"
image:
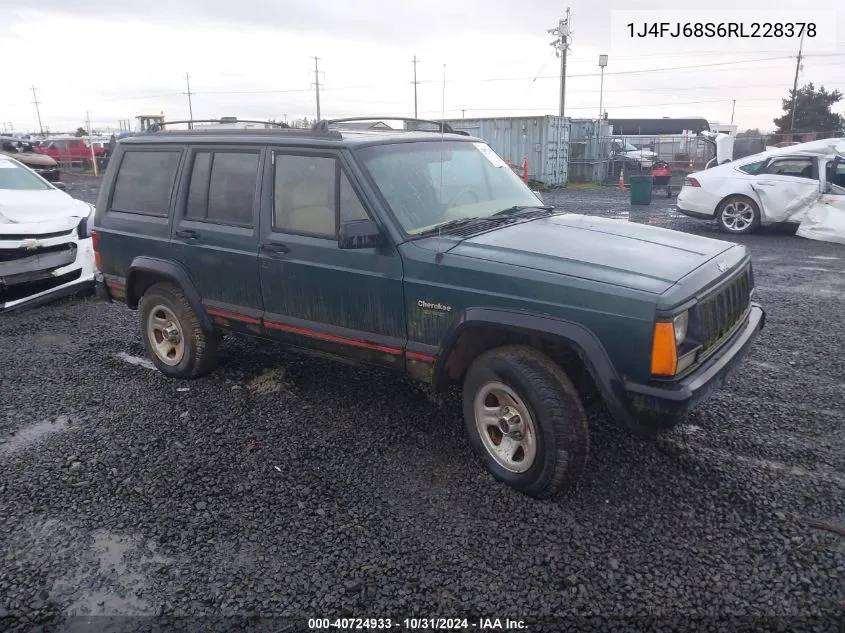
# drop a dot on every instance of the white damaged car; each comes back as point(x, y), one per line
point(45, 239)
point(801, 184)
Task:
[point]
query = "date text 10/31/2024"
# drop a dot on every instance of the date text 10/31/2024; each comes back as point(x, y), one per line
point(443, 624)
point(722, 29)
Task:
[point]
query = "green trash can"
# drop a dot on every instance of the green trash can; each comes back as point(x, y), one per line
point(641, 189)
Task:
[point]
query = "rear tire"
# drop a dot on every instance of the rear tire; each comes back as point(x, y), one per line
point(525, 421)
point(738, 215)
point(173, 337)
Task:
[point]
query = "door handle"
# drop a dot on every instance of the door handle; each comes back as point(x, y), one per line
point(188, 234)
point(274, 247)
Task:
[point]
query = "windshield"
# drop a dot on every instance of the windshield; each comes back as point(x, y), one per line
point(429, 183)
point(13, 176)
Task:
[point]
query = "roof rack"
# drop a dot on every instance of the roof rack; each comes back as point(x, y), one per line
point(323, 124)
point(156, 126)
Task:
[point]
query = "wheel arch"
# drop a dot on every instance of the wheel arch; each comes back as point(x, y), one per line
point(145, 271)
point(571, 345)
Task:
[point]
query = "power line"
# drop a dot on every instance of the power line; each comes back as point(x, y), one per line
point(619, 107)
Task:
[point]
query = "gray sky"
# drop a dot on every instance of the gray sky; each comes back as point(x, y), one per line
point(252, 59)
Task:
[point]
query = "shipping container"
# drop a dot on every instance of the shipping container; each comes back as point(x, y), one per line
point(542, 140)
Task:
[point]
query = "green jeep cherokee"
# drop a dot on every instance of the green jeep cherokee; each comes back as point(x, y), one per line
point(422, 251)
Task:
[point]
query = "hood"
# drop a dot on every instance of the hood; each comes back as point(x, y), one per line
point(615, 252)
point(21, 209)
point(31, 159)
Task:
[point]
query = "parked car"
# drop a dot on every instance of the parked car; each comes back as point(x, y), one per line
point(623, 150)
point(69, 150)
point(776, 186)
point(423, 253)
point(45, 239)
point(26, 153)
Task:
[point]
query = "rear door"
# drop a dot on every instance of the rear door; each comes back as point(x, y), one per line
point(785, 186)
point(348, 303)
point(215, 232)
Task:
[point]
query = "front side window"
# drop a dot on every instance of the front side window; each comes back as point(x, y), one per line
point(145, 181)
point(797, 167)
point(428, 183)
point(15, 177)
point(306, 196)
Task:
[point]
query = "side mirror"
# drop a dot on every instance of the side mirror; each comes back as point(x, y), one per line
point(60, 185)
point(359, 234)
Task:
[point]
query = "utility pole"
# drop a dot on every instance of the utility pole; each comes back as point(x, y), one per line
point(561, 44)
point(90, 143)
point(37, 111)
point(463, 113)
point(190, 106)
point(733, 109)
point(416, 83)
point(317, 84)
point(795, 84)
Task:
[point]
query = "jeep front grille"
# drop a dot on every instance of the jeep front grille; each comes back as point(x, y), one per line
point(720, 312)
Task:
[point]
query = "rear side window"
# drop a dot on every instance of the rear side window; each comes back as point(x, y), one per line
point(144, 182)
point(222, 187)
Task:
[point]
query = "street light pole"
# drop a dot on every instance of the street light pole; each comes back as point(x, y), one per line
point(602, 64)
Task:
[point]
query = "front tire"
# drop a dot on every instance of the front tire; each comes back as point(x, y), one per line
point(738, 215)
point(525, 421)
point(173, 337)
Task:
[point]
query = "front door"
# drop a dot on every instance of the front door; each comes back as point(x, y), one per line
point(785, 187)
point(347, 303)
point(215, 232)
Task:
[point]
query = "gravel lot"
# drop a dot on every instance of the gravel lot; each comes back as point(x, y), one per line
point(295, 487)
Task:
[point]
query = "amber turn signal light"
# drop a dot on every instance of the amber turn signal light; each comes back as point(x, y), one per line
point(664, 352)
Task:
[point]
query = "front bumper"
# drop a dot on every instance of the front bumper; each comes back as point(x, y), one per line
point(664, 405)
point(43, 276)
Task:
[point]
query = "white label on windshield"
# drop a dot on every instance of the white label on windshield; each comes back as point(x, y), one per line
point(7, 164)
point(490, 155)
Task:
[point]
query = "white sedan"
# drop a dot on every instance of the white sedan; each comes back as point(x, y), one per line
point(45, 239)
point(773, 187)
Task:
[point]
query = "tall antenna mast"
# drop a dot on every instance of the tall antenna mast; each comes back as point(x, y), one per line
point(442, 130)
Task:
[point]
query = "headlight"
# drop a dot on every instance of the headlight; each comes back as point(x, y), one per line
point(667, 339)
point(681, 323)
point(86, 225)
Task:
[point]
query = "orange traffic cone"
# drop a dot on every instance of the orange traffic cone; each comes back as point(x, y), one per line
point(621, 184)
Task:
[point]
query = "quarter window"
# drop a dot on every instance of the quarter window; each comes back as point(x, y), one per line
point(753, 168)
point(145, 181)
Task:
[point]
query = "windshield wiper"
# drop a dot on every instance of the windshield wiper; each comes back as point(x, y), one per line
point(451, 224)
point(517, 209)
